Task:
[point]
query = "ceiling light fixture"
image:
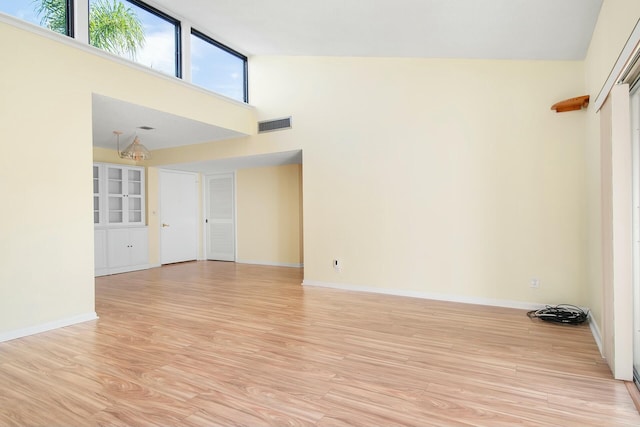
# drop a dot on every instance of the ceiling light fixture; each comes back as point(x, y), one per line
point(134, 151)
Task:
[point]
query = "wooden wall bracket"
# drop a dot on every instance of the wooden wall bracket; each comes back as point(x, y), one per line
point(571, 104)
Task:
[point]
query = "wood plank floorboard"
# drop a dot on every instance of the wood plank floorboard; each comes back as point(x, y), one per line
point(220, 344)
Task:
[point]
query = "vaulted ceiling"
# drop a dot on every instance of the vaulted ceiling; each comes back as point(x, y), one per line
point(493, 29)
point(482, 29)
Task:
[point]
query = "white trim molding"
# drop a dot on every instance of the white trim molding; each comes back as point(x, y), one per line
point(595, 331)
point(429, 295)
point(622, 64)
point(32, 330)
point(273, 264)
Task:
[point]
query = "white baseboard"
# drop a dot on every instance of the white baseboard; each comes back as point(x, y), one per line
point(428, 295)
point(595, 331)
point(273, 264)
point(32, 330)
point(108, 272)
point(128, 269)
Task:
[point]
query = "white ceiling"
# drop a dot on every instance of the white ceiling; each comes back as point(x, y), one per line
point(169, 130)
point(488, 29)
point(492, 29)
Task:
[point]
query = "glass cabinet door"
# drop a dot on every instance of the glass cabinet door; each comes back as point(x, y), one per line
point(135, 182)
point(96, 194)
point(115, 195)
point(134, 199)
point(124, 197)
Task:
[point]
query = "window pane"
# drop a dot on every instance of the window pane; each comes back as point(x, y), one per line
point(51, 14)
point(217, 69)
point(133, 32)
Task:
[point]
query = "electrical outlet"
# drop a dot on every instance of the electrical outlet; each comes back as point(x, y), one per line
point(534, 283)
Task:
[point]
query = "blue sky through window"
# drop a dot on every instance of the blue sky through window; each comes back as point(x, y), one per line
point(216, 70)
point(159, 50)
point(211, 67)
point(23, 9)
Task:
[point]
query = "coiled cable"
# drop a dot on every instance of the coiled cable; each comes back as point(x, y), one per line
point(561, 313)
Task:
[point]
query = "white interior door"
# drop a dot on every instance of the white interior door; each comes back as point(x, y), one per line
point(220, 211)
point(178, 216)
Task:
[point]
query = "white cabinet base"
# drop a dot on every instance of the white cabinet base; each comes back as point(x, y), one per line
point(124, 249)
point(126, 269)
point(100, 252)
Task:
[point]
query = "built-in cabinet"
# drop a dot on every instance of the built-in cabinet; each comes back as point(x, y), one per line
point(100, 252)
point(97, 191)
point(125, 195)
point(121, 237)
point(127, 249)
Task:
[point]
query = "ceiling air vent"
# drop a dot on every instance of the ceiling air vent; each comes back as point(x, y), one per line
point(277, 124)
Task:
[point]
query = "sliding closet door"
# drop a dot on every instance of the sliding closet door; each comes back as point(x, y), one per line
point(635, 135)
point(617, 232)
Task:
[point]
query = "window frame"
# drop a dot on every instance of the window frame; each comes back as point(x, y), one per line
point(177, 33)
point(177, 24)
point(227, 49)
point(68, 24)
point(77, 21)
point(70, 8)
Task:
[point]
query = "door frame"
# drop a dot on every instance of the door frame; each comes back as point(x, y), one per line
point(617, 304)
point(205, 213)
point(634, 108)
point(160, 217)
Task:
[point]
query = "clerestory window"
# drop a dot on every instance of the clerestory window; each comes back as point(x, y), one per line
point(56, 15)
point(218, 68)
point(141, 33)
point(134, 30)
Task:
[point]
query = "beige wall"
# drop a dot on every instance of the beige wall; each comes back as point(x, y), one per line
point(268, 215)
point(446, 177)
point(105, 155)
point(440, 177)
point(153, 217)
point(46, 277)
point(46, 249)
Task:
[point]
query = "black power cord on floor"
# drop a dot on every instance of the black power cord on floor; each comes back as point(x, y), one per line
point(561, 313)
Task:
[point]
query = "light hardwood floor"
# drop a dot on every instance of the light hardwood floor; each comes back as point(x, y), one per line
point(209, 343)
